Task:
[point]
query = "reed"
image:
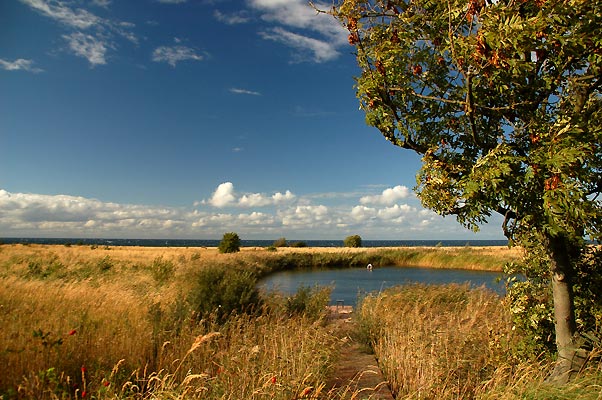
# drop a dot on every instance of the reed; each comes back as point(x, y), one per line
point(115, 323)
point(454, 342)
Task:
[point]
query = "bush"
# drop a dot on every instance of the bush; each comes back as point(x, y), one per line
point(230, 243)
point(162, 270)
point(222, 292)
point(308, 301)
point(298, 244)
point(280, 243)
point(353, 241)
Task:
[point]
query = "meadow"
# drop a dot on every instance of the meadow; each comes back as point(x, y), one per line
point(141, 323)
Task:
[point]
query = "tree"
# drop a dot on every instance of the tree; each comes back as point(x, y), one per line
point(230, 243)
point(502, 99)
point(353, 241)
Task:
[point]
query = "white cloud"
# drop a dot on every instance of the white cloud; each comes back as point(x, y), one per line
point(285, 197)
point(253, 200)
point(100, 32)
point(306, 216)
point(88, 46)
point(57, 10)
point(300, 14)
point(19, 64)
point(244, 91)
point(315, 33)
point(281, 214)
point(223, 195)
point(321, 51)
point(102, 3)
point(388, 197)
point(240, 17)
point(363, 213)
point(174, 54)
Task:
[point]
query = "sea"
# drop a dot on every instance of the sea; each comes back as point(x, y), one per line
point(247, 243)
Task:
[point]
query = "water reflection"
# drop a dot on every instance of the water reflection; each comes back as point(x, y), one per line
point(350, 283)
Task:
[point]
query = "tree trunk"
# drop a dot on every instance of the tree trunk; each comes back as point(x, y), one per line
point(570, 357)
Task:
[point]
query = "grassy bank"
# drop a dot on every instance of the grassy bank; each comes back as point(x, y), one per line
point(114, 323)
point(453, 342)
point(122, 322)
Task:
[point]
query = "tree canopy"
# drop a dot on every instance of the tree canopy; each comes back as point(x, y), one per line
point(502, 99)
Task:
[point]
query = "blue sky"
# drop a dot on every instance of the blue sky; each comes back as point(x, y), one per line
point(188, 119)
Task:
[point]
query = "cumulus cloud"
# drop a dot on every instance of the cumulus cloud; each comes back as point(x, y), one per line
point(174, 54)
point(26, 214)
point(223, 195)
point(388, 197)
point(306, 216)
point(19, 64)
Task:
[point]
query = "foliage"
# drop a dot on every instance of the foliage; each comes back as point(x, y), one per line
point(230, 243)
point(308, 301)
point(531, 302)
point(162, 270)
point(503, 101)
point(223, 291)
point(353, 241)
point(298, 244)
point(281, 242)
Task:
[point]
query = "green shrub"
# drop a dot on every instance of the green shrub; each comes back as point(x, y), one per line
point(104, 264)
point(308, 301)
point(530, 298)
point(353, 241)
point(221, 292)
point(298, 244)
point(281, 242)
point(230, 243)
point(162, 270)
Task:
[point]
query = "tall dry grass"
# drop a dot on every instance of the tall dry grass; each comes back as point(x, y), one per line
point(436, 342)
point(454, 342)
point(114, 323)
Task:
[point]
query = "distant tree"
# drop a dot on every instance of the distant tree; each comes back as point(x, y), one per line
point(353, 241)
point(230, 243)
point(502, 98)
point(281, 242)
point(298, 244)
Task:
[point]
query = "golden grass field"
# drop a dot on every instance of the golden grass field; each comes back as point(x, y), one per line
point(114, 323)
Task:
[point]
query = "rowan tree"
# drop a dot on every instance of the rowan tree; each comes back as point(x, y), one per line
point(502, 100)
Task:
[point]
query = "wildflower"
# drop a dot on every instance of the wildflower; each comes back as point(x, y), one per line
point(72, 332)
point(84, 393)
point(84, 369)
point(273, 380)
point(105, 383)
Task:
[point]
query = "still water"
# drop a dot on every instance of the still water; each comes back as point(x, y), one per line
point(350, 283)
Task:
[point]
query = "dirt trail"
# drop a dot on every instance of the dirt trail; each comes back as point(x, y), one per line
point(357, 370)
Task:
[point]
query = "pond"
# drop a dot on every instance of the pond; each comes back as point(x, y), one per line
point(349, 283)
